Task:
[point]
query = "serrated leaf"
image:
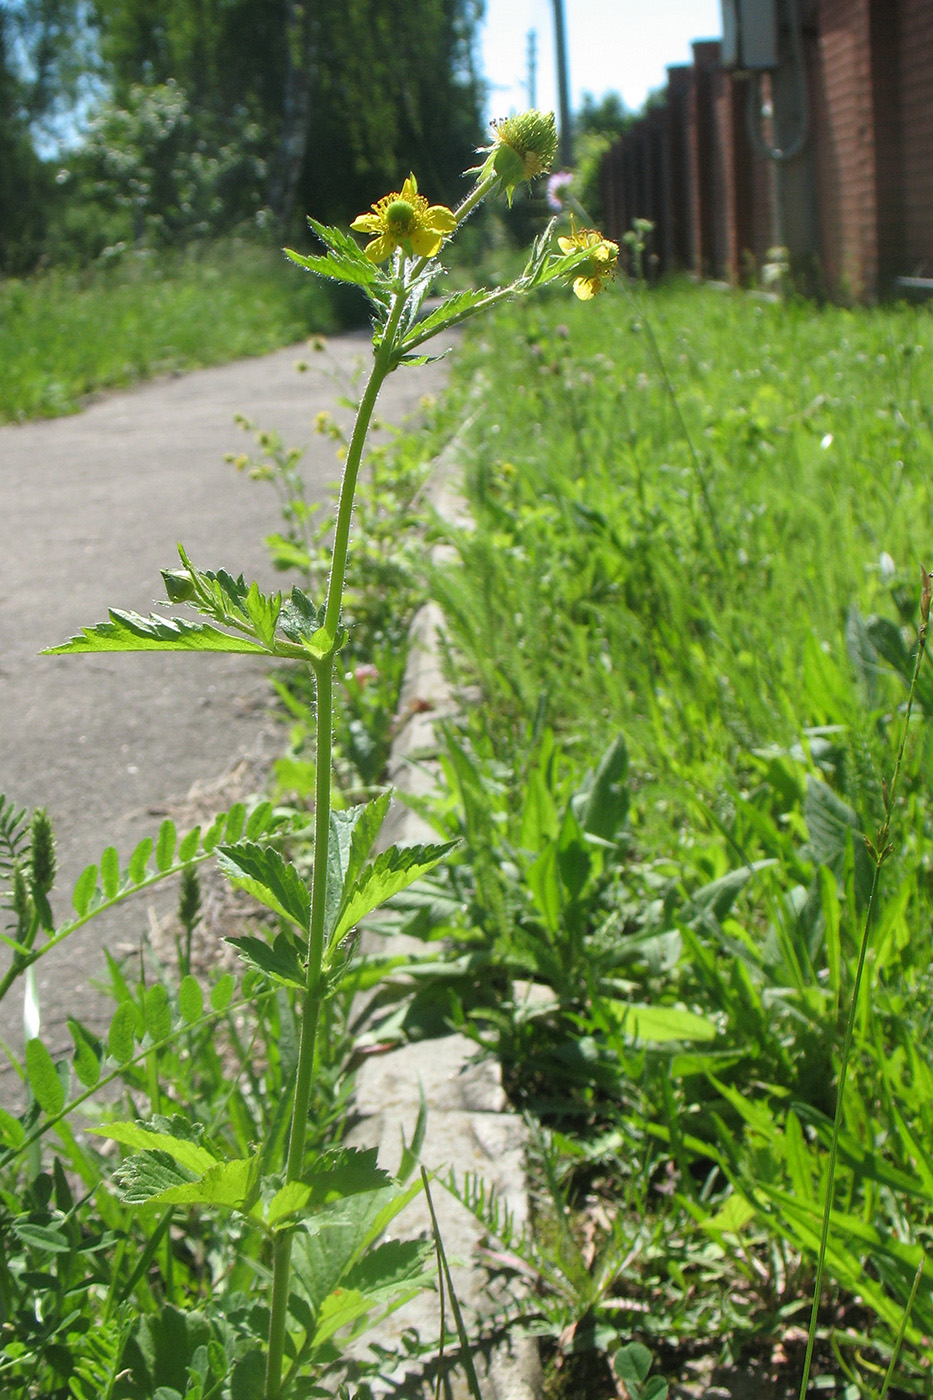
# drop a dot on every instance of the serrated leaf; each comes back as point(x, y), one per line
point(280, 961)
point(165, 845)
point(263, 873)
point(148, 1177)
point(121, 1037)
point(289, 1201)
point(110, 872)
point(454, 309)
point(84, 890)
point(352, 834)
point(87, 1056)
point(236, 820)
point(47, 1088)
point(222, 992)
point(190, 1000)
point(187, 1153)
point(139, 861)
point(130, 631)
point(157, 1012)
point(392, 871)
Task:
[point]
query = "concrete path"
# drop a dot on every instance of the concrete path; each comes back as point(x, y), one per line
point(92, 508)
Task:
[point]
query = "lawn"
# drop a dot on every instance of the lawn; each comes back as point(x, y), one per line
point(67, 335)
point(686, 617)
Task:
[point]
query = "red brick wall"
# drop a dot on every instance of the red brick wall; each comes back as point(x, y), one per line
point(915, 36)
point(845, 149)
point(870, 72)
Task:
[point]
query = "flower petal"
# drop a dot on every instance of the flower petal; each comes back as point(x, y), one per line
point(367, 223)
point(425, 242)
point(440, 218)
point(380, 248)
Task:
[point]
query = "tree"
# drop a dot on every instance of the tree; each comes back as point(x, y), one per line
point(349, 94)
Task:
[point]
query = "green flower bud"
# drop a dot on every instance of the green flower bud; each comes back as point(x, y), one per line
point(525, 146)
point(178, 585)
point(42, 852)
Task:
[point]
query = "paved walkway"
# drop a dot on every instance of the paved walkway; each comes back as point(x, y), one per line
point(92, 508)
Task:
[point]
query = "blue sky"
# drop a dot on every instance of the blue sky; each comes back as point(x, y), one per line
point(613, 45)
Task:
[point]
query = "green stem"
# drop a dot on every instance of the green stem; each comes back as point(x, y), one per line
point(382, 366)
point(311, 1005)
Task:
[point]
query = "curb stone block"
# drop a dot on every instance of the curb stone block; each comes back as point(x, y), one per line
point(469, 1126)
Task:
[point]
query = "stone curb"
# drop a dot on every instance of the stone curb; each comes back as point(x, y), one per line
point(470, 1128)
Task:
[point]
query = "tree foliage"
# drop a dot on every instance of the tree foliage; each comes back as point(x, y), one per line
point(159, 121)
point(348, 94)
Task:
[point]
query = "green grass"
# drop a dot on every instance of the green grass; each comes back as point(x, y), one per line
point(67, 335)
point(723, 584)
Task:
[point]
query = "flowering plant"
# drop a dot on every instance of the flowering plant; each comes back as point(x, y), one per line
point(308, 956)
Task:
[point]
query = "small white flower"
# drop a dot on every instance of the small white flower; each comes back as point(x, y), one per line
point(886, 566)
point(826, 441)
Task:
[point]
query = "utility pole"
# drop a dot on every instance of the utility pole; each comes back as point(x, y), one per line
point(565, 134)
point(532, 69)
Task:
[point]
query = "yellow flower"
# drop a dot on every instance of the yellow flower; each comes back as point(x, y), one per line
point(405, 220)
point(592, 273)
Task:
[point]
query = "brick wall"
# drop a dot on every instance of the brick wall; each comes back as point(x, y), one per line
point(915, 44)
point(861, 195)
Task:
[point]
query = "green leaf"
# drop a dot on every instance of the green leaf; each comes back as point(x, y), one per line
point(345, 261)
point(121, 1038)
point(289, 1201)
point(222, 992)
point(84, 890)
point(263, 873)
point(11, 1129)
point(454, 309)
point(352, 834)
point(139, 861)
point(607, 800)
point(157, 1012)
point(236, 820)
point(186, 1152)
point(258, 822)
point(280, 962)
point(87, 1056)
point(165, 845)
point(659, 1024)
point(130, 631)
point(190, 1000)
point(188, 848)
point(149, 1177)
point(392, 871)
point(213, 833)
point(110, 872)
point(45, 1238)
point(47, 1088)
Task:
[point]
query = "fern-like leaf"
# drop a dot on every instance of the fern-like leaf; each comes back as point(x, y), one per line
point(14, 835)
